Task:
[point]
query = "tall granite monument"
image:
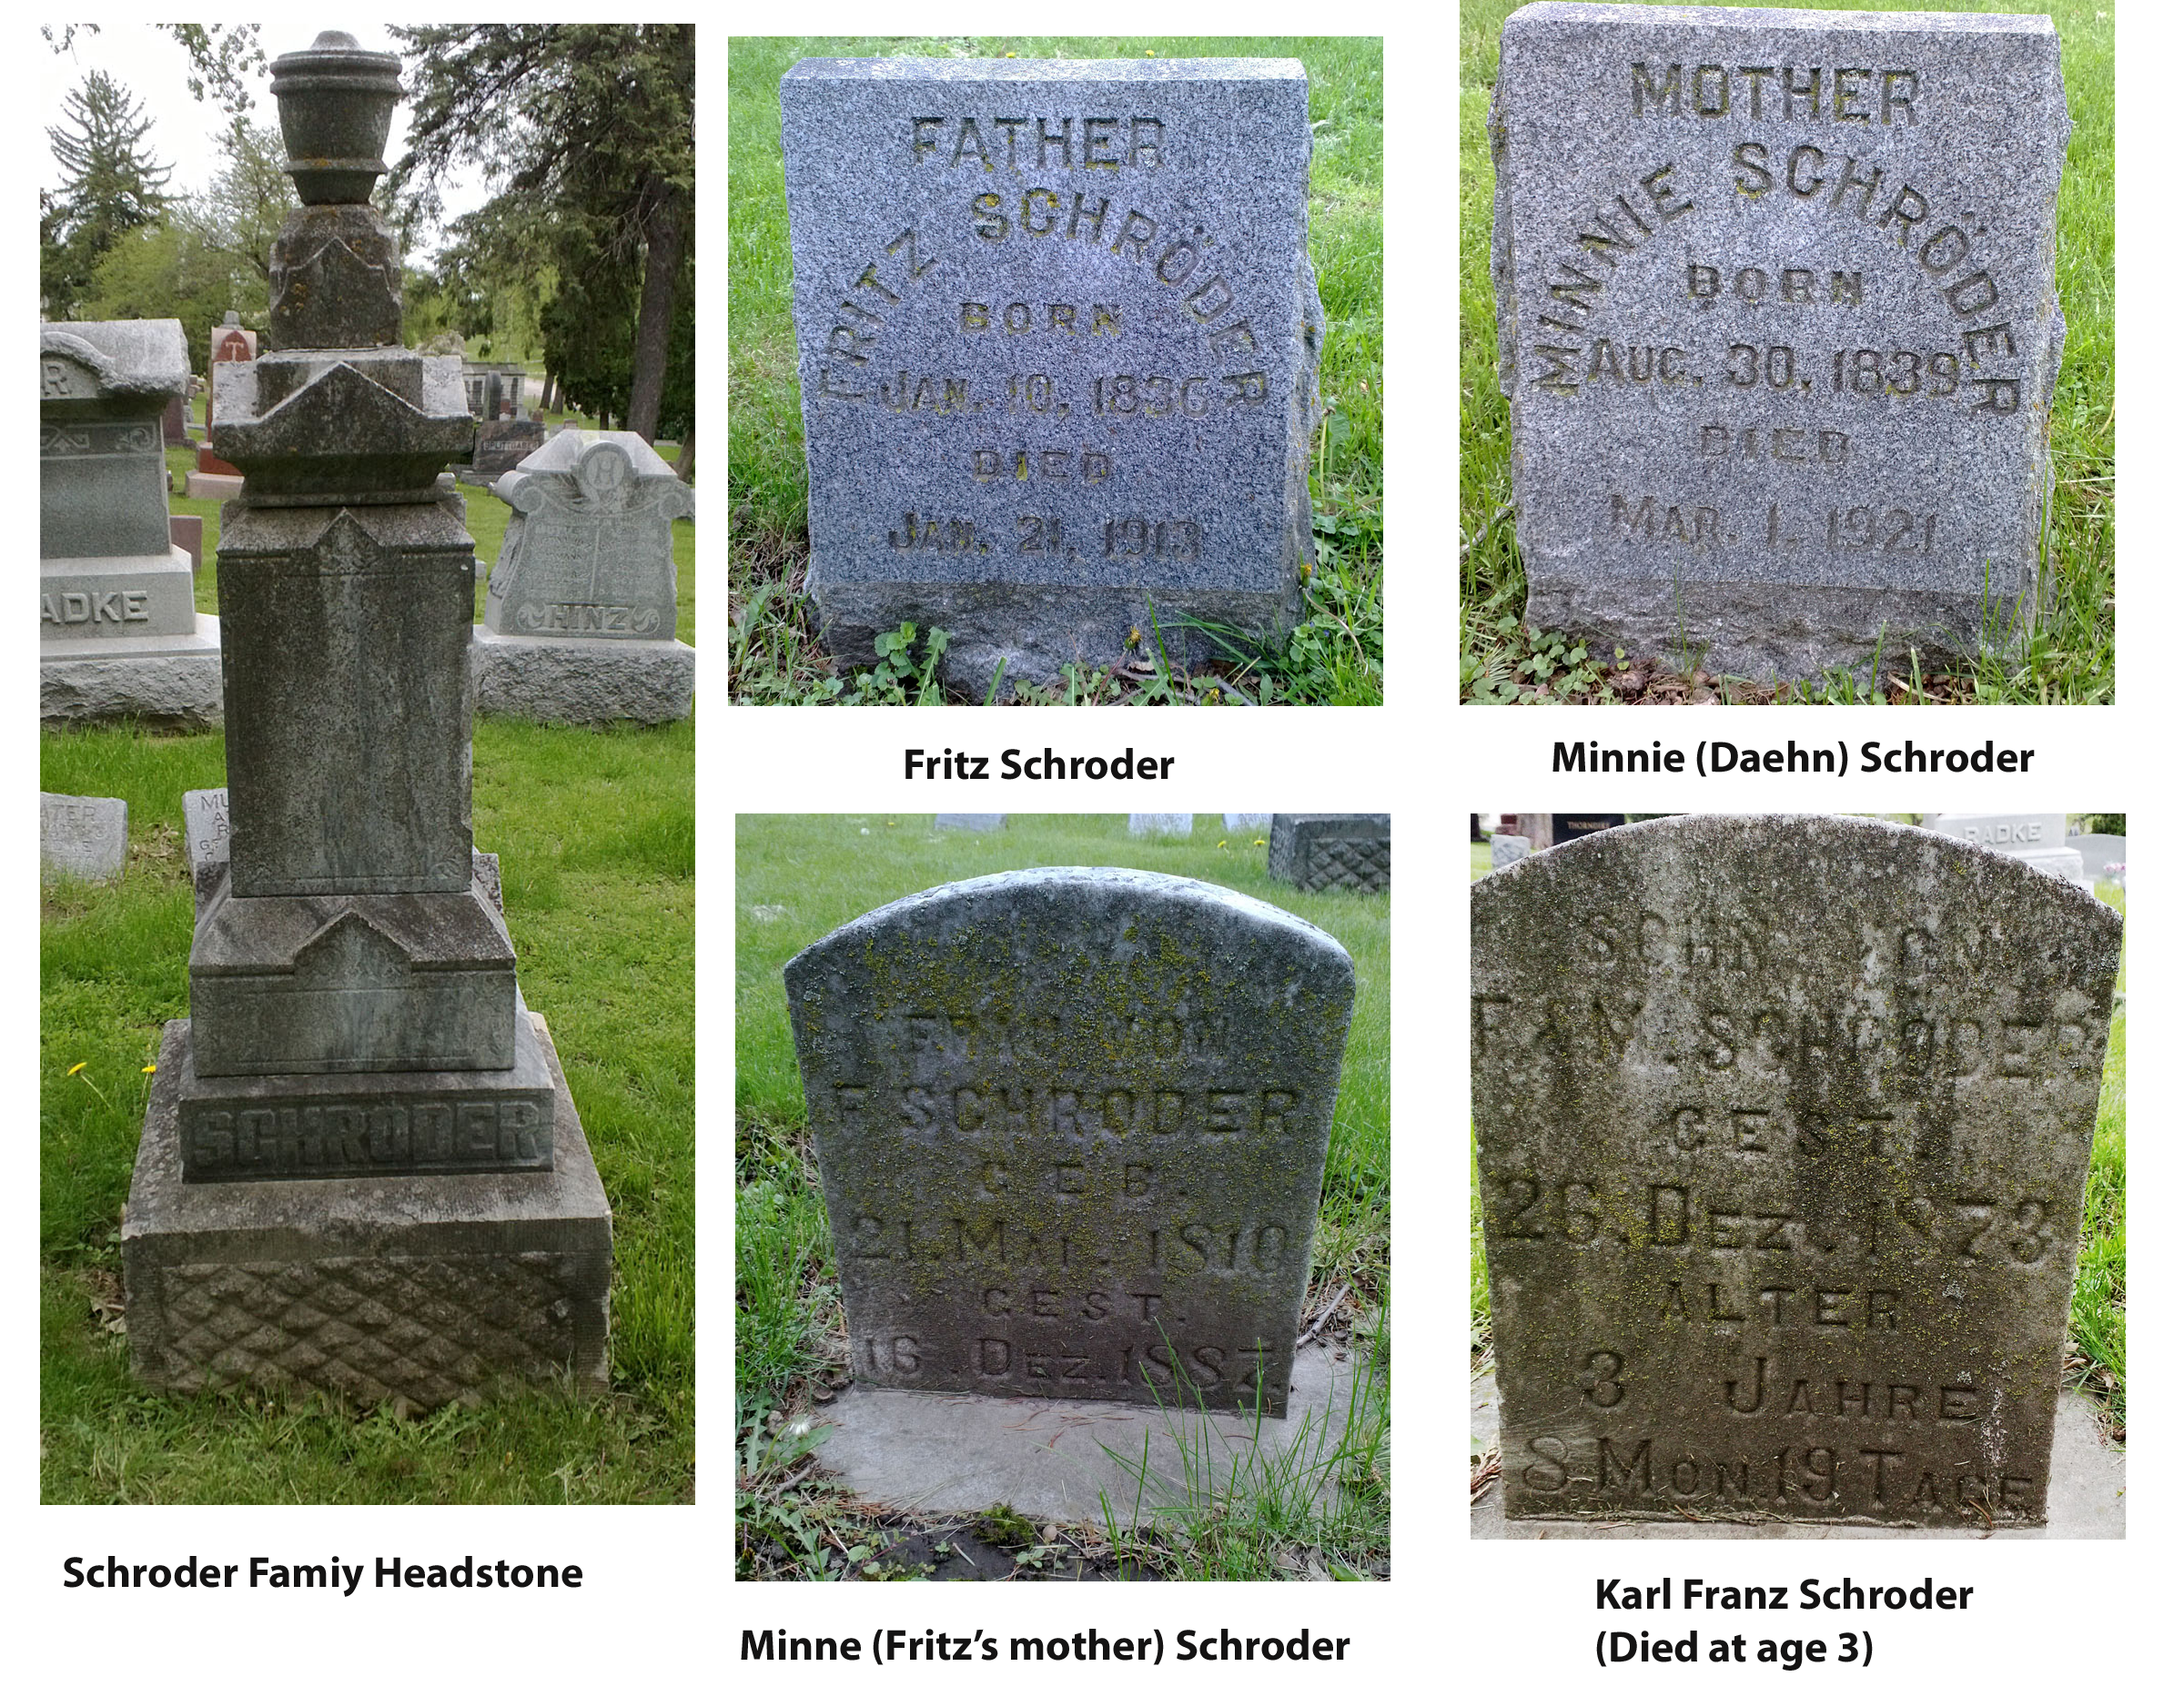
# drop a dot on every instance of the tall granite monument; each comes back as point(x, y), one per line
point(1779, 329)
point(361, 1170)
point(1783, 1126)
point(1058, 338)
point(1331, 849)
point(119, 633)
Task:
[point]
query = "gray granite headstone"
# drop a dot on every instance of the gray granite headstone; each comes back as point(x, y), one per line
point(1509, 849)
point(1233, 821)
point(2038, 838)
point(1778, 326)
point(1071, 1126)
point(1783, 1126)
point(1331, 850)
point(83, 835)
point(1058, 338)
point(2100, 853)
point(501, 446)
point(970, 820)
point(1176, 824)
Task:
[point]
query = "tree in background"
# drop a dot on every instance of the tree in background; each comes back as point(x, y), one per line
point(110, 185)
point(586, 128)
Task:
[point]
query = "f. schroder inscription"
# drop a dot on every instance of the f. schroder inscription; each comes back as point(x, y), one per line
point(1071, 1125)
point(1058, 342)
point(1778, 326)
point(1782, 1128)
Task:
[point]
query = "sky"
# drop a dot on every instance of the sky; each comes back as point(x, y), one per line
point(185, 132)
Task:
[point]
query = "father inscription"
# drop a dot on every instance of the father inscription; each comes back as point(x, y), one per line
point(1071, 1125)
point(1783, 1126)
point(1778, 326)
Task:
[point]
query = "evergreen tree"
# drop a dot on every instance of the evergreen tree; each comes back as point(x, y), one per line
point(110, 184)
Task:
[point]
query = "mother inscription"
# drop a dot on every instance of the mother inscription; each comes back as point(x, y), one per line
point(1778, 326)
point(1783, 1126)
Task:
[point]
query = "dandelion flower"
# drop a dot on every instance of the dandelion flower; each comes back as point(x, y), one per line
point(78, 1068)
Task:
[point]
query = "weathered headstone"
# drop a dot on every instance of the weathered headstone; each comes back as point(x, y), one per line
point(119, 633)
point(2038, 838)
point(1778, 326)
point(1331, 850)
point(1570, 825)
point(1176, 824)
point(1509, 849)
point(1235, 821)
point(83, 835)
point(970, 820)
point(361, 1170)
point(1783, 1126)
point(1071, 1125)
point(1058, 339)
point(580, 612)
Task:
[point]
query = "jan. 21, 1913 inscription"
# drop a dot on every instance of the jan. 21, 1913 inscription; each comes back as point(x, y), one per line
point(1778, 326)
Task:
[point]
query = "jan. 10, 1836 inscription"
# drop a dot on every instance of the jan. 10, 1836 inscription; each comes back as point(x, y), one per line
point(1059, 341)
point(1071, 1125)
point(1778, 326)
point(1783, 1126)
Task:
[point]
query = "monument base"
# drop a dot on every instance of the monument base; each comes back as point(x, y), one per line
point(583, 681)
point(218, 487)
point(169, 683)
point(411, 1290)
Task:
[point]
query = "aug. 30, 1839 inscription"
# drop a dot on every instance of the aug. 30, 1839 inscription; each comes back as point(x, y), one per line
point(1783, 1126)
point(1778, 326)
point(1071, 1125)
point(1059, 341)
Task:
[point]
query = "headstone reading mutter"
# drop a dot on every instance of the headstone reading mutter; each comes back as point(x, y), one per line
point(1778, 326)
point(1058, 339)
point(1783, 1126)
point(1071, 1125)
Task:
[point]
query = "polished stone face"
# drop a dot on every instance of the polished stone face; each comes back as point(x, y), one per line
point(1783, 1126)
point(1058, 339)
point(1071, 1125)
point(1778, 326)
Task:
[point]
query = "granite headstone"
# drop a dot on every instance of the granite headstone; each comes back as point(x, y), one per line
point(1778, 326)
point(1176, 823)
point(2038, 838)
point(1235, 821)
point(1071, 1126)
point(1783, 1126)
point(1058, 338)
point(1507, 850)
point(83, 835)
point(1331, 850)
point(1570, 825)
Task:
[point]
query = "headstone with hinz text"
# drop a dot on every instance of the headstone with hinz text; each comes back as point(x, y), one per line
point(1058, 339)
point(1071, 1125)
point(1331, 849)
point(1778, 327)
point(2038, 838)
point(1783, 1126)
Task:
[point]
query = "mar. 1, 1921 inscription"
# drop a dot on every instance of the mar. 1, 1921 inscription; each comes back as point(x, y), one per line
point(1778, 326)
point(1071, 1125)
point(1783, 1126)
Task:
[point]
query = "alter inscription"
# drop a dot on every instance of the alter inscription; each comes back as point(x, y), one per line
point(1071, 1125)
point(1782, 1128)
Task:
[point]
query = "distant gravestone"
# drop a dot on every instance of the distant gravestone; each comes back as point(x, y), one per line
point(1570, 825)
point(119, 633)
point(1058, 338)
point(83, 835)
point(2103, 856)
point(1783, 1126)
point(214, 476)
point(1235, 821)
point(501, 446)
point(2038, 838)
point(1509, 849)
point(1778, 326)
point(1331, 850)
point(1176, 824)
point(579, 611)
point(1071, 1126)
point(970, 820)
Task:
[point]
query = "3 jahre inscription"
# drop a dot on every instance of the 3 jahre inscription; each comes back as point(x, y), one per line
point(1071, 1125)
point(1778, 325)
point(1782, 1128)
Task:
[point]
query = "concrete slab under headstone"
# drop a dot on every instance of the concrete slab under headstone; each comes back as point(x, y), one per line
point(211, 487)
point(583, 681)
point(83, 835)
point(1779, 328)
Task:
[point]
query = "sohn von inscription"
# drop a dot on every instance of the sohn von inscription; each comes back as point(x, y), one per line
point(1783, 1126)
point(1778, 326)
point(1071, 1125)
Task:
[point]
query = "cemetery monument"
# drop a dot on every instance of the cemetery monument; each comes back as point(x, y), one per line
point(1331, 850)
point(2038, 838)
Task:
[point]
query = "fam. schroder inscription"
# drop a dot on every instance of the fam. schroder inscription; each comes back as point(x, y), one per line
point(1071, 1125)
point(1058, 339)
point(1783, 1126)
point(1778, 326)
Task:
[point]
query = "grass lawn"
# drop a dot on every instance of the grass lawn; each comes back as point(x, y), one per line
point(595, 831)
point(2070, 657)
point(796, 879)
point(1334, 655)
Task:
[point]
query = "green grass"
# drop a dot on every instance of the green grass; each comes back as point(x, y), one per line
point(2069, 658)
point(799, 877)
point(1332, 658)
point(595, 832)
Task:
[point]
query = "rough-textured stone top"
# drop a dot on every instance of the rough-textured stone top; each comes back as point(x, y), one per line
point(90, 367)
point(1783, 1126)
point(1071, 1125)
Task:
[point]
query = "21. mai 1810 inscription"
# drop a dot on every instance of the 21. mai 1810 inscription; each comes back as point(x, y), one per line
point(1778, 326)
point(1783, 1126)
point(1071, 1125)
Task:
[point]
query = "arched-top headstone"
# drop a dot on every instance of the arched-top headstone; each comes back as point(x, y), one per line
point(1783, 1126)
point(1071, 1125)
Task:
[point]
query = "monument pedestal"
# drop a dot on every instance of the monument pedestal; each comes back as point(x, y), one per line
point(583, 681)
point(411, 1290)
point(169, 681)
